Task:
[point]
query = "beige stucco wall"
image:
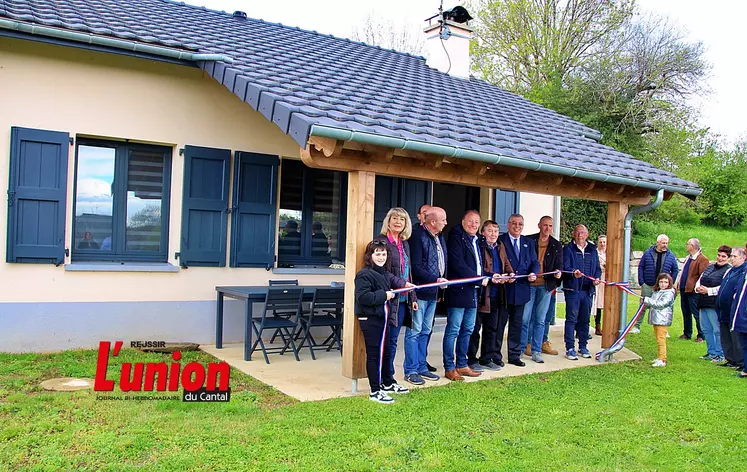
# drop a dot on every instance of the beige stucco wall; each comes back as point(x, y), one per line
point(534, 206)
point(87, 93)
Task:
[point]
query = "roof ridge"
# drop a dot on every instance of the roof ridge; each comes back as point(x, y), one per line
point(295, 28)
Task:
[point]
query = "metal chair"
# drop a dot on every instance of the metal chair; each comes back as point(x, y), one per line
point(282, 283)
point(282, 300)
point(326, 310)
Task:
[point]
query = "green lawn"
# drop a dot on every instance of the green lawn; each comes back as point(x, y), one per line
point(690, 415)
point(710, 237)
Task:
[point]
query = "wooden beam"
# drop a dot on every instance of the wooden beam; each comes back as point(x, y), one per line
point(360, 228)
point(616, 213)
point(558, 180)
point(330, 147)
point(620, 190)
point(497, 177)
point(523, 175)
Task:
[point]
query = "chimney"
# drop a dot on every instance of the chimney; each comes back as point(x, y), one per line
point(447, 38)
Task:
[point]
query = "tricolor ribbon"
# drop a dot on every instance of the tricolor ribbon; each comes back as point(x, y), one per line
point(606, 354)
point(432, 285)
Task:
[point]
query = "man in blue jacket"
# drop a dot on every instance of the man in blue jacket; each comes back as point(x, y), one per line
point(657, 259)
point(730, 285)
point(581, 259)
point(523, 257)
point(465, 261)
point(429, 263)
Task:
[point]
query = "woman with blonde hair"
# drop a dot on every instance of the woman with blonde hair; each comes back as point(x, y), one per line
point(396, 230)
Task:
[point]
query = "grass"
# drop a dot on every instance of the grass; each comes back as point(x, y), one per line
point(687, 416)
point(711, 237)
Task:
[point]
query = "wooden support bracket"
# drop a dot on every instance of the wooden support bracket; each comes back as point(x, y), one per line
point(330, 147)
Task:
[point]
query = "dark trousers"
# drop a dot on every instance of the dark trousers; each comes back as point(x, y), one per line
point(577, 314)
point(598, 317)
point(374, 333)
point(743, 340)
point(731, 345)
point(511, 315)
point(489, 324)
point(690, 311)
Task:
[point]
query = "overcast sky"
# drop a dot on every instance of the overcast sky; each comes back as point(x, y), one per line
point(719, 24)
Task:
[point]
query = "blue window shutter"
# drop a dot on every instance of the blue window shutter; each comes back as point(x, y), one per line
point(253, 224)
point(386, 196)
point(205, 207)
point(506, 204)
point(37, 195)
point(414, 194)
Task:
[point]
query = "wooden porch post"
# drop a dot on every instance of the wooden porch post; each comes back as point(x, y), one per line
point(360, 222)
point(616, 212)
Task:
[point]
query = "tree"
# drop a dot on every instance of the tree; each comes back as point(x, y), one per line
point(525, 43)
point(380, 32)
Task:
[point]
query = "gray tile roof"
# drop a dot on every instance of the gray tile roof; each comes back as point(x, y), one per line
point(306, 82)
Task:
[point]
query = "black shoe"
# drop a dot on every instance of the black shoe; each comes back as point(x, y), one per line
point(727, 364)
point(430, 367)
point(500, 363)
point(517, 362)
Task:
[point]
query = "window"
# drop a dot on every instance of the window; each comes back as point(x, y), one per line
point(312, 216)
point(121, 202)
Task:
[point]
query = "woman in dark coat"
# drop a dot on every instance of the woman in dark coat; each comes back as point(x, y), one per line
point(396, 230)
point(373, 291)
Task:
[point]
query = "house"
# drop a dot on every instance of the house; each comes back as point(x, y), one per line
point(157, 150)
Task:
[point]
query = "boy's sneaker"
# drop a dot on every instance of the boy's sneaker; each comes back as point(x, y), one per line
point(537, 357)
point(395, 388)
point(381, 397)
point(717, 359)
point(707, 357)
point(414, 379)
point(658, 363)
point(429, 376)
point(635, 330)
point(571, 354)
point(584, 353)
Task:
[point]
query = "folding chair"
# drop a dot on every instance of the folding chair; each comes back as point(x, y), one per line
point(326, 310)
point(282, 300)
point(283, 283)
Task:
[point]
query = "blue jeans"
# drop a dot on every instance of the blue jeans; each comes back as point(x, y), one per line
point(577, 315)
point(416, 338)
point(550, 318)
point(459, 325)
point(535, 314)
point(394, 333)
point(712, 331)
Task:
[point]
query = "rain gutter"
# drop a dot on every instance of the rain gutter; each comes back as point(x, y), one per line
point(87, 38)
point(627, 232)
point(491, 158)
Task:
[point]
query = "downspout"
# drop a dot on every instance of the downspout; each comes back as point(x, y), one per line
point(110, 42)
point(627, 233)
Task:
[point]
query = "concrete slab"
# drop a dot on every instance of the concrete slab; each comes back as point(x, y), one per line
point(321, 379)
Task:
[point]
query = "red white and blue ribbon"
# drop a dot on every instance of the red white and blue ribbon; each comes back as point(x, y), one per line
point(387, 313)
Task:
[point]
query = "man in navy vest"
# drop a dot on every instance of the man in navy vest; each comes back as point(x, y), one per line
point(657, 259)
point(523, 257)
point(580, 258)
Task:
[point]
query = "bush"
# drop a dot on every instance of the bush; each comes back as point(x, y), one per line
point(586, 212)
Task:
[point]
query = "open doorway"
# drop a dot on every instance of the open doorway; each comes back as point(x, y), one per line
point(455, 200)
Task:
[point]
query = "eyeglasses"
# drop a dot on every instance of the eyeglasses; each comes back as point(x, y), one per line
point(378, 242)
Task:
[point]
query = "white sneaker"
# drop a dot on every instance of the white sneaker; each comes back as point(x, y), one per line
point(394, 388)
point(658, 363)
point(381, 397)
point(668, 334)
point(635, 331)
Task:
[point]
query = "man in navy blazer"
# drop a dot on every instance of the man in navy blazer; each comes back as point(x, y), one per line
point(523, 256)
point(580, 259)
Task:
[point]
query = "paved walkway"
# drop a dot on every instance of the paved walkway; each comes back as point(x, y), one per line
point(321, 379)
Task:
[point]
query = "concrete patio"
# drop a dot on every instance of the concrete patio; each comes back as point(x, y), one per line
point(321, 379)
